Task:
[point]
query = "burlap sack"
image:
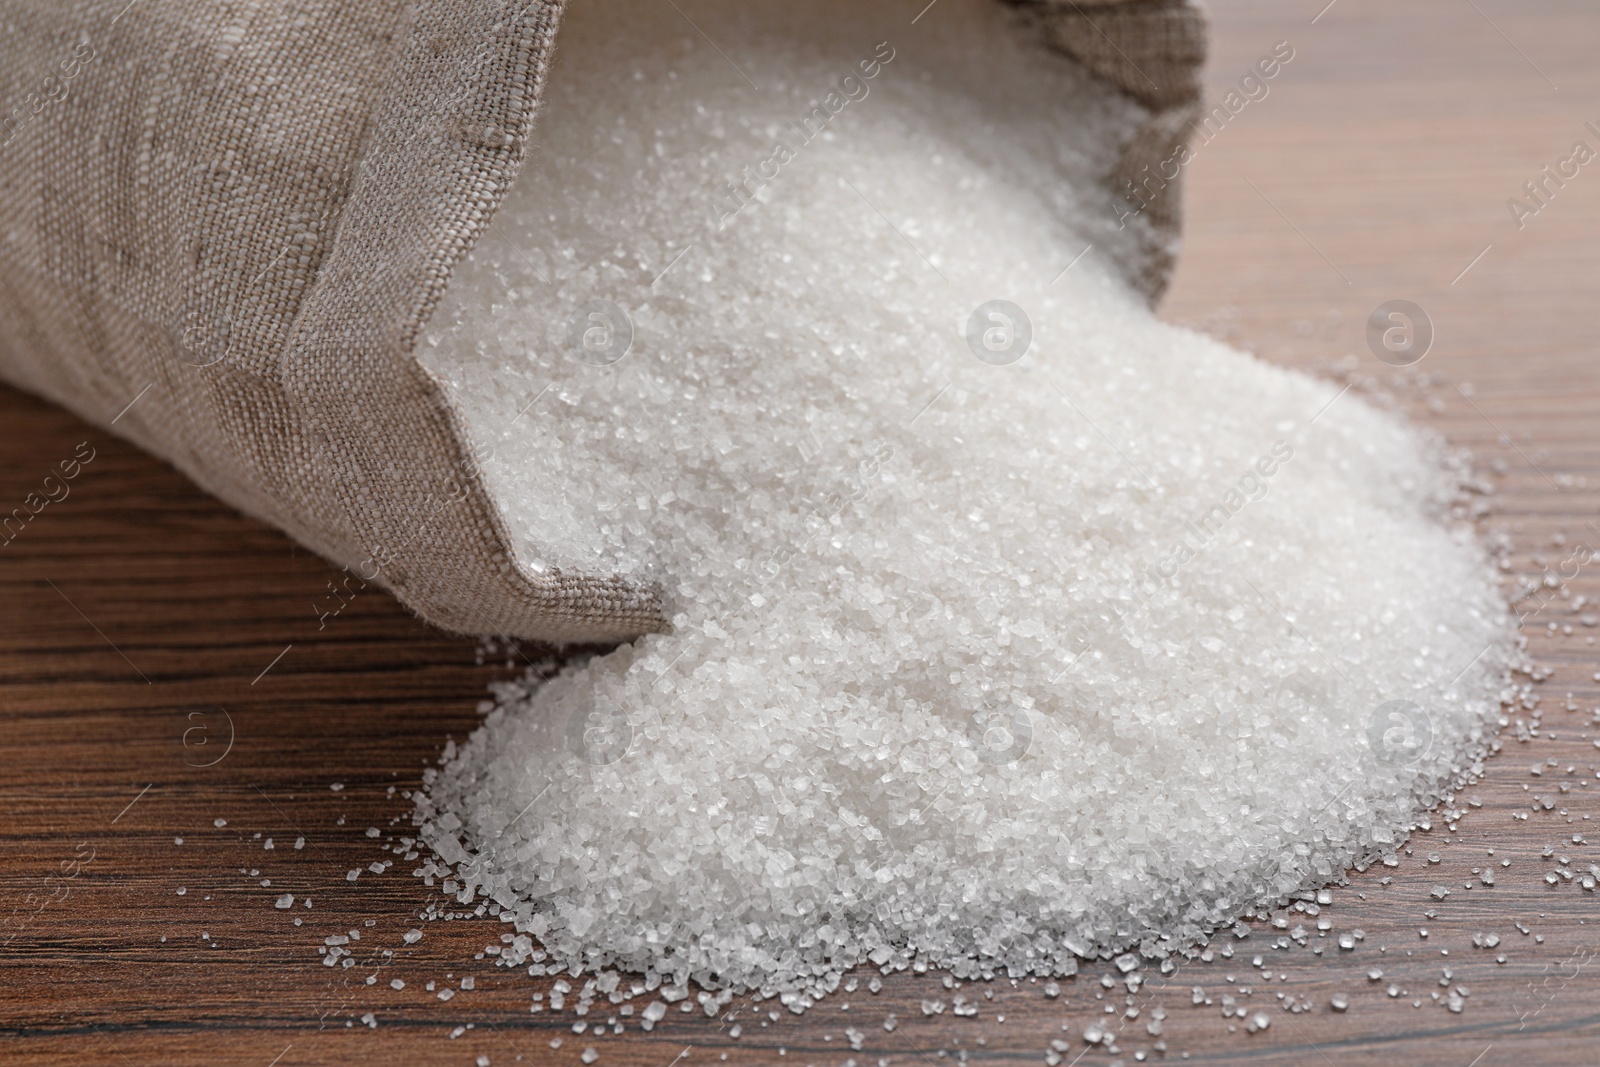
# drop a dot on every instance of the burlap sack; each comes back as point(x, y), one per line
point(224, 224)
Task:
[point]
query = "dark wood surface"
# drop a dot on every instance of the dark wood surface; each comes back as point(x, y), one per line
point(139, 620)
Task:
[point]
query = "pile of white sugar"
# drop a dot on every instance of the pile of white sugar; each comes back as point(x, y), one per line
point(980, 664)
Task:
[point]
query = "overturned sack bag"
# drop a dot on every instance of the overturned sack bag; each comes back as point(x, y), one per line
point(225, 227)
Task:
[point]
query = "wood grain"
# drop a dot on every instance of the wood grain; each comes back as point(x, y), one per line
point(141, 619)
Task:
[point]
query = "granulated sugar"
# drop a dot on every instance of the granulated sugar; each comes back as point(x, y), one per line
point(980, 664)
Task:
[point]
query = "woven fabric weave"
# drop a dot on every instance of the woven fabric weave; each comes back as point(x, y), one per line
point(223, 226)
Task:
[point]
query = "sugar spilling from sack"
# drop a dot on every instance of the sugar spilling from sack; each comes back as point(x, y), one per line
point(978, 662)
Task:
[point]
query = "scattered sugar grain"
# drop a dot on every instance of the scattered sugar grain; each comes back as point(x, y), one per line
point(954, 645)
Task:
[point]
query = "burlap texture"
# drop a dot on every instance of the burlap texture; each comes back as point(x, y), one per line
point(1154, 51)
point(223, 226)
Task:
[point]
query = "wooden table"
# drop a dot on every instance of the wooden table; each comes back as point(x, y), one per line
point(163, 675)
